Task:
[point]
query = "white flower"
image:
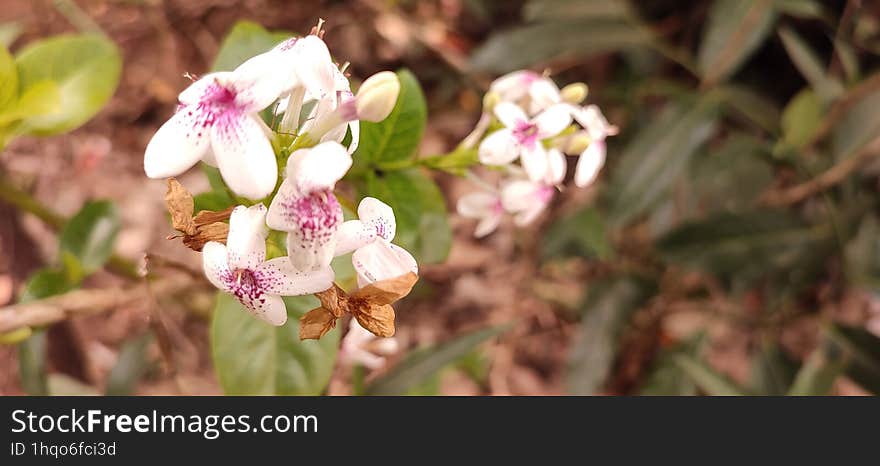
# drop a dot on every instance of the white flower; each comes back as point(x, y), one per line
point(522, 138)
point(526, 199)
point(359, 346)
point(305, 206)
point(216, 122)
point(592, 158)
point(374, 102)
point(241, 269)
point(374, 258)
point(484, 206)
point(527, 87)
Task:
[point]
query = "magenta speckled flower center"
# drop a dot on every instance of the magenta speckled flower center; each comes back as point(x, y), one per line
point(316, 215)
point(245, 285)
point(526, 133)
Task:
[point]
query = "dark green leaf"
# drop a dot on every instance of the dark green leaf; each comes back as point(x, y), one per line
point(131, 365)
point(858, 127)
point(827, 87)
point(420, 211)
point(735, 29)
point(540, 10)
point(709, 381)
point(818, 373)
point(582, 234)
point(420, 365)
point(397, 137)
point(91, 234)
point(254, 358)
point(731, 177)
point(607, 310)
point(862, 354)
point(755, 107)
point(85, 69)
point(666, 378)
point(32, 364)
point(772, 370)
point(243, 41)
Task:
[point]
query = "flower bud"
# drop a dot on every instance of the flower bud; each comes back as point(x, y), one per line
point(574, 93)
point(377, 96)
point(577, 143)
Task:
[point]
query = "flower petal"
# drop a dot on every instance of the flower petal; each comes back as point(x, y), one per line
point(178, 144)
point(355, 127)
point(246, 242)
point(196, 91)
point(244, 156)
point(556, 167)
point(352, 235)
point(310, 250)
point(488, 224)
point(513, 86)
point(477, 204)
point(589, 163)
point(279, 276)
point(592, 119)
point(543, 93)
point(268, 308)
point(311, 221)
point(552, 121)
point(381, 261)
point(534, 161)
point(499, 148)
point(518, 195)
point(215, 263)
point(258, 82)
point(318, 168)
point(510, 114)
point(379, 216)
point(315, 66)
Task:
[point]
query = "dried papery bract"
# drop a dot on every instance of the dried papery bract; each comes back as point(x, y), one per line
point(199, 229)
point(370, 305)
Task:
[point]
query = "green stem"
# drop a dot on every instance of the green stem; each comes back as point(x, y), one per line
point(27, 203)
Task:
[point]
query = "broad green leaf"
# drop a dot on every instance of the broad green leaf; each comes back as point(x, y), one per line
point(862, 354)
point(859, 126)
point(420, 365)
point(43, 98)
point(526, 46)
point(735, 29)
point(652, 163)
point(801, 119)
point(582, 234)
point(607, 310)
point(131, 365)
point(252, 357)
point(730, 177)
point(827, 87)
point(818, 373)
point(540, 10)
point(397, 137)
point(420, 211)
point(755, 107)
point(212, 200)
point(744, 248)
point(91, 234)
point(772, 370)
point(8, 80)
point(666, 378)
point(85, 68)
point(709, 381)
point(243, 41)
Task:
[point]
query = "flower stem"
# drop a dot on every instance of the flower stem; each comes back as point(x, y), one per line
point(27, 203)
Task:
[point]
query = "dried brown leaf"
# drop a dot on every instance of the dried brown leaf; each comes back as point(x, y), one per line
point(387, 291)
point(206, 217)
point(378, 319)
point(316, 323)
point(180, 205)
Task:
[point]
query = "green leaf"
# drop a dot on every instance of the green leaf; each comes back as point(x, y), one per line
point(666, 378)
point(40, 99)
point(607, 310)
point(523, 47)
point(420, 211)
point(91, 234)
point(254, 358)
point(86, 70)
point(862, 354)
point(708, 379)
point(772, 370)
point(582, 234)
point(859, 126)
point(44, 283)
point(542, 10)
point(818, 373)
point(131, 365)
point(245, 40)
point(744, 248)
point(807, 9)
point(735, 29)
point(32, 364)
point(8, 80)
point(827, 87)
point(755, 107)
point(657, 157)
point(732, 176)
point(801, 119)
point(420, 365)
point(397, 137)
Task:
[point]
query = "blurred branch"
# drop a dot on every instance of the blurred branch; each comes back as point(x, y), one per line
point(27, 203)
point(81, 302)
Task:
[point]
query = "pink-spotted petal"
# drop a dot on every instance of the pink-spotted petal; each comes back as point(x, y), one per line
point(499, 148)
point(246, 242)
point(510, 115)
point(381, 261)
point(379, 216)
point(196, 92)
point(178, 144)
point(310, 250)
point(352, 235)
point(534, 161)
point(279, 276)
point(244, 156)
point(266, 307)
point(318, 168)
point(216, 265)
point(589, 163)
point(552, 121)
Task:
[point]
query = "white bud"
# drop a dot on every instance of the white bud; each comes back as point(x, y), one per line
point(577, 143)
point(574, 93)
point(377, 96)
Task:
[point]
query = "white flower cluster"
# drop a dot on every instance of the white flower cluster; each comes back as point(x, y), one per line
point(217, 122)
point(534, 120)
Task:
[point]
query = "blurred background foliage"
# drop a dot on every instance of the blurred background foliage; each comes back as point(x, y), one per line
point(737, 212)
